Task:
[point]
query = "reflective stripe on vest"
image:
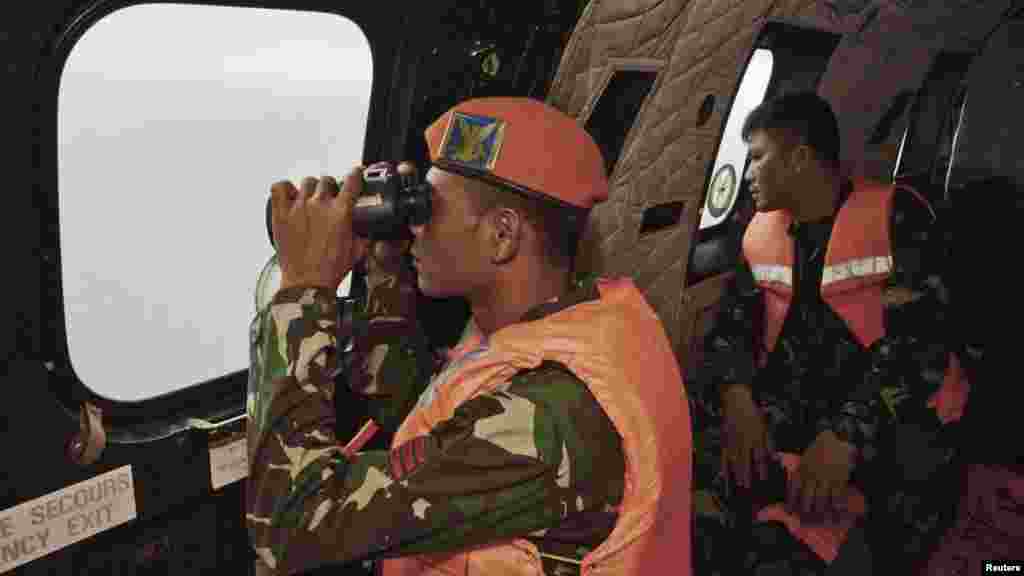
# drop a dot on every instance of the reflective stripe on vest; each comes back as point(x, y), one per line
point(851, 269)
point(858, 256)
point(618, 347)
point(773, 274)
point(858, 268)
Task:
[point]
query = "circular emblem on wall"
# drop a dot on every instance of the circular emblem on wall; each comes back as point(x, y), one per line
point(722, 192)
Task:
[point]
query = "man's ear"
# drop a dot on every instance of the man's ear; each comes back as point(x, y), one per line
point(801, 157)
point(506, 234)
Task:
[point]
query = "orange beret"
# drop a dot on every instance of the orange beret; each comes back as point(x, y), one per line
point(521, 144)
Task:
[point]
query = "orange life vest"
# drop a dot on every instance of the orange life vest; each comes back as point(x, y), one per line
point(617, 346)
point(858, 261)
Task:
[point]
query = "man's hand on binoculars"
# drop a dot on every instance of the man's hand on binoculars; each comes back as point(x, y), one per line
point(312, 228)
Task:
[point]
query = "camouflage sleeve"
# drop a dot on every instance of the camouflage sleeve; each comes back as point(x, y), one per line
point(914, 355)
point(906, 364)
point(507, 464)
point(729, 349)
point(392, 359)
point(859, 416)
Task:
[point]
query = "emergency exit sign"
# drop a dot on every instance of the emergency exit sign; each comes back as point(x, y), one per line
point(57, 520)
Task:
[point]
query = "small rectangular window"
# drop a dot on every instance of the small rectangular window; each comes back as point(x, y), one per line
point(616, 111)
point(173, 122)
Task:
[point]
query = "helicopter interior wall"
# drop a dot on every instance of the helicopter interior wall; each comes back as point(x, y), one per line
point(801, 55)
point(890, 53)
point(986, 145)
point(705, 42)
point(987, 190)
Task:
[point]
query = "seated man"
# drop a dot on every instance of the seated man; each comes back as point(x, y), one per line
point(556, 438)
point(805, 387)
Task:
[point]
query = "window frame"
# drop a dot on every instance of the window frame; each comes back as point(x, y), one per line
point(938, 103)
point(223, 397)
point(740, 170)
point(954, 147)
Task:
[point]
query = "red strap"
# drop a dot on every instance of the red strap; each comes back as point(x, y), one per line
point(950, 400)
point(357, 442)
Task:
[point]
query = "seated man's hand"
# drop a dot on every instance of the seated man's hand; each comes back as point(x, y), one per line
point(744, 437)
point(818, 489)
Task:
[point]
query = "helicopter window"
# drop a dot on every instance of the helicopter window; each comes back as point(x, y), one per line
point(732, 152)
point(167, 148)
point(932, 118)
point(661, 216)
point(707, 108)
point(616, 110)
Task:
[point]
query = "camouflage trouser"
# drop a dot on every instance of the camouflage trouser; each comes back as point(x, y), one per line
point(910, 490)
point(725, 540)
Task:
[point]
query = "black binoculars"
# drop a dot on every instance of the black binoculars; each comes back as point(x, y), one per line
point(389, 205)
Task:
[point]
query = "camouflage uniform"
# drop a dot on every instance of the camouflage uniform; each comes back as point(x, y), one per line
point(820, 378)
point(539, 459)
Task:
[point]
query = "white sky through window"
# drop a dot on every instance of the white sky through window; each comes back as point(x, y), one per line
point(173, 122)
